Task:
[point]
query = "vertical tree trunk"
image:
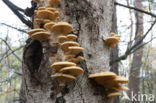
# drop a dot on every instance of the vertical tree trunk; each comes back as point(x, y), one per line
point(134, 78)
point(114, 51)
point(92, 21)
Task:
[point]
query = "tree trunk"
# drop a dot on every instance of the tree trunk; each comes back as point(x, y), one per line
point(134, 78)
point(91, 21)
point(114, 51)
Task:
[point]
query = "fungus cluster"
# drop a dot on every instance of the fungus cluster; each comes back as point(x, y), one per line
point(46, 24)
point(111, 82)
point(39, 34)
point(66, 69)
point(113, 40)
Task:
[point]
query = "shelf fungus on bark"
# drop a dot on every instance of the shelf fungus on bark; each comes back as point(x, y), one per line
point(114, 94)
point(116, 35)
point(41, 36)
point(67, 57)
point(49, 25)
point(69, 37)
point(32, 31)
point(62, 28)
point(72, 70)
point(64, 78)
point(64, 46)
point(40, 22)
point(76, 60)
point(110, 81)
point(113, 40)
point(74, 50)
point(121, 80)
point(47, 14)
point(53, 2)
point(59, 65)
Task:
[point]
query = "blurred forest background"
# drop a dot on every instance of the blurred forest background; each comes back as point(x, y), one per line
point(13, 37)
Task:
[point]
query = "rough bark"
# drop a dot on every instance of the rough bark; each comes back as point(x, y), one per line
point(92, 23)
point(134, 78)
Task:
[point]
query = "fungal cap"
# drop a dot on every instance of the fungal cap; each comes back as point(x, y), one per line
point(54, 2)
point(57, 13)
point(116, 35)
point(65, 45)
point(113, 34)
point(41, 36)
point(71, 37)
point(59, 65)
point(75, 49)
point(63, 77)
point(104, 75)
point(120, 88)
point(46, 14)
point(41, 8)
point(67, 57)
point(46, 21)
point(34, 31)
point(62, 39)
point(51, 9)
point(76, 60)
point(121, 80)
point(73, 70)
point(114, 94)
point(62, 28)
point(49, 25)
point(111, 40)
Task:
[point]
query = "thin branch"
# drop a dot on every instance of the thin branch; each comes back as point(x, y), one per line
point(16, 10)
point(12, 51)
point(21, 30)
point(140, 10)
point(129, 50)
point(142, 45)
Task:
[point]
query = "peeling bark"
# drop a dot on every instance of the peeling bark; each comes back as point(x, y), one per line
point(92, 21)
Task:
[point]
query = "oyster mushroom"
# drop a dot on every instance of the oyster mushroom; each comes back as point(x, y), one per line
point(72, 70)
point(114, 94)
point(41, 36)
point(62, 28)
point(59, 65)
point(34, 31)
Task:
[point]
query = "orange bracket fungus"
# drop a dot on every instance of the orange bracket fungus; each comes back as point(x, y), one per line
point(61, 28)
point(34, 31)
point(53, 2)
point(114, 94)
point(113, 40)
point(45, 26)
point(41, 36)
point(63, 78)
point(49, 25)
point(69, 37)
point(64, 46)
point(76, 60)
point(110, 81)
point(38, 22)
point(58, 65)
point(75, 50)
point(72, 70)
point(47, 13)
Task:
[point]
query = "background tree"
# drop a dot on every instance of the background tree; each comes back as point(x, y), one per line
point(134, 75)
